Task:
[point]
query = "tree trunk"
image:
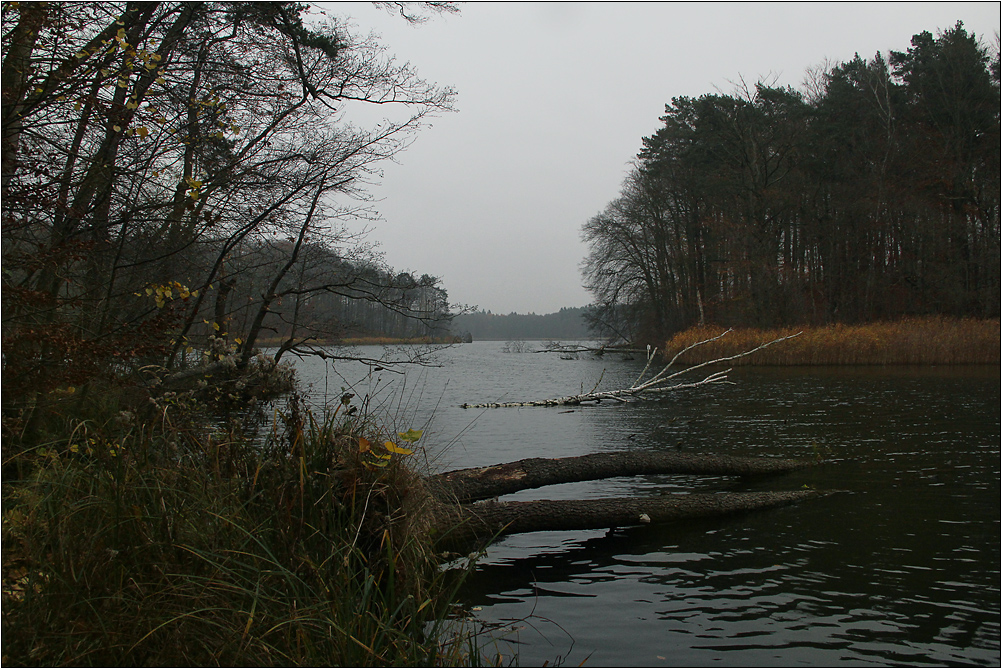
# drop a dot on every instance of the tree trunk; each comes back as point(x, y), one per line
point(480, 483)
point(469, 524)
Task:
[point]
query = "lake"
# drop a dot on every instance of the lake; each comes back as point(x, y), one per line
point(902, 569)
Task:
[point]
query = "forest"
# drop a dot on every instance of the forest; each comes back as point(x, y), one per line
point(870, 193)
point(566, 324)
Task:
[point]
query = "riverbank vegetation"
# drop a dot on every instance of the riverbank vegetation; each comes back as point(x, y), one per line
point(912, 341)
point(176, 184)
point(869, 194)
point(150, 536)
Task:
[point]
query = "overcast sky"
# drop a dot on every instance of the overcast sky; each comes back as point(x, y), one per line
point(553, 100)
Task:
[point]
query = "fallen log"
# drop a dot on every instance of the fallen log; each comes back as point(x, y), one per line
point(472, 484)
point(469, 524)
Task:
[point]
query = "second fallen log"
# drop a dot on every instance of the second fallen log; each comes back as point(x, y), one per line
point(467, 524)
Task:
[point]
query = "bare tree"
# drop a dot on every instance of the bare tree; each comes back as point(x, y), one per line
point(152, 151)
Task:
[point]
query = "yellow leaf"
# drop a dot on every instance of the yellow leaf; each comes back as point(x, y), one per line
point(161, 80)
point(117, 129)
point(364, 445)
point(393, 448)
point(215, 326)
point(77, 105)
point(143, 132)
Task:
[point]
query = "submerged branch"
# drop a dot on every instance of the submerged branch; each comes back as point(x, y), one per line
point(661, 382)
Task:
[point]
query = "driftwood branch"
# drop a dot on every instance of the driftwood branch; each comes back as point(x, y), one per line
point(472, 484)
point(663, 381)
point(478, 522)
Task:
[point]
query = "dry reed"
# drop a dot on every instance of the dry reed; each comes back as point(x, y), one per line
point(910, 341)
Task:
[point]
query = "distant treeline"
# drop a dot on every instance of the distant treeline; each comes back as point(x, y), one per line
point(327, 297)
point(871, 193)
point(567, 324)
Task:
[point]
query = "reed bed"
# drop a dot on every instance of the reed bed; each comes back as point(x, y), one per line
point(910, 341)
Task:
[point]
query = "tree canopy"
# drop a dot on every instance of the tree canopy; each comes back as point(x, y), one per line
point(874, 192)
point(176, 178)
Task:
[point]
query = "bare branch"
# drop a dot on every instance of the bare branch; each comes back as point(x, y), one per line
point(656, 384)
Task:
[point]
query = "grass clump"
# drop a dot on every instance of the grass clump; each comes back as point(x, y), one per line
point(911, 341)
point(147, 538)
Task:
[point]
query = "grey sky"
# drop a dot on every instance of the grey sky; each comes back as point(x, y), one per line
point(553, 101)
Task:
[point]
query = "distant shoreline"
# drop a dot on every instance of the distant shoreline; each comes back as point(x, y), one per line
point(374, 340)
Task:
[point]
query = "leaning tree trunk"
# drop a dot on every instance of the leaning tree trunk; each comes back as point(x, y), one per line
point(481, 483)
point(469, 524)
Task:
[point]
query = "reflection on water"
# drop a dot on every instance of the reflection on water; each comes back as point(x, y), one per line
point(902, 569)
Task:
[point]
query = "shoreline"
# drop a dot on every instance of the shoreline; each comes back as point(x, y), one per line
point(910, 341)
point(369, 340)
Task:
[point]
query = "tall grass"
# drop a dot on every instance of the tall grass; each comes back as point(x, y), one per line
point(145, 541)
point(911, 341)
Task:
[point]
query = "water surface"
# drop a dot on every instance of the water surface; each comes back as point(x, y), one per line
point(903, 569)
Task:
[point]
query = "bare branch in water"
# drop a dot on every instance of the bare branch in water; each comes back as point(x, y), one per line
point(661, 382)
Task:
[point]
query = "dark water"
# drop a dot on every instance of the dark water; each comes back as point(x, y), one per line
point(902, 569)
